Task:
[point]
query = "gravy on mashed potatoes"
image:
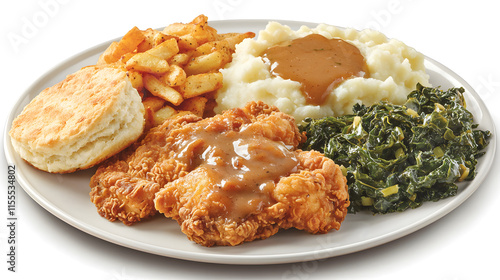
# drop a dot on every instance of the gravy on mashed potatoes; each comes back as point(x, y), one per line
point(393, 70)
point(318, 63)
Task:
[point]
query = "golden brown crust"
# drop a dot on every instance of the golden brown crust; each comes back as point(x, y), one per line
point(79, 122)
point(317, 194)
point(313, 198)
point(124, 186)
point(69, 108)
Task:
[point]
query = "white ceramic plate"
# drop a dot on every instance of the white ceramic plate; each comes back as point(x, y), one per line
point(67, 196)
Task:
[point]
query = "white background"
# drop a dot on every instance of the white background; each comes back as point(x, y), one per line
point(459, 34)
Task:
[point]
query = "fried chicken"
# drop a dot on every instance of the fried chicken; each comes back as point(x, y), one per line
point(229, 179)
point(123, 187)
point(313, 199)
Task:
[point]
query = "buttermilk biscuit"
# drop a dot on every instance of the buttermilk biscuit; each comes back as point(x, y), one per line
point(79, 122)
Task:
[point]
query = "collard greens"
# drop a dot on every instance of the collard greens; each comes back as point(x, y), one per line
point(396, 157)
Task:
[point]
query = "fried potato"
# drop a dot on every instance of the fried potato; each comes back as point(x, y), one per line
point(126, 57)
point(148, 63)
point(210, 47)
point(107, 56)
point(178, 29)
point(153, 103)
point(195, 105)
point(196, 85)
point(175, 70)
point(165, 49)
point(206, 63)
point(149, 41)
point(128, 43)
point(175, 76)
point(233, 39)
point(203, 32)
point(198, 29)
point(161, 115)
point(152, 38)
point(159, 89)
point(188, 42)
point(135, 78)
point(180, 59)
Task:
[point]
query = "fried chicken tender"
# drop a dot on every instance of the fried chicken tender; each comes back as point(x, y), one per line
point(313, 199)
point(123, 187)
point(229, 179)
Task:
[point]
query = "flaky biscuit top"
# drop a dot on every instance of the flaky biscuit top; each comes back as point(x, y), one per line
point(65, 111)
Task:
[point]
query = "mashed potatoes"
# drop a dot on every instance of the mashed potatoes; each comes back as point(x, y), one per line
point(394, 69)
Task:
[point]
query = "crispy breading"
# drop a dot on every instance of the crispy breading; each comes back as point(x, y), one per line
point(123, 187)
point(187, 167)
point(314, 199)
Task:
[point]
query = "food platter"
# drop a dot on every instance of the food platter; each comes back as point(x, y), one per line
point(67, 196)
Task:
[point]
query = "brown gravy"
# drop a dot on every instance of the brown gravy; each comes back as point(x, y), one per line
point(318, 63)
point(244, 168)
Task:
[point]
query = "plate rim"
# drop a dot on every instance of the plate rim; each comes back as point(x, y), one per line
point(318, 254)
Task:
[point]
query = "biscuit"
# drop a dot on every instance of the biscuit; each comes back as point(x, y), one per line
point(79, 122)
